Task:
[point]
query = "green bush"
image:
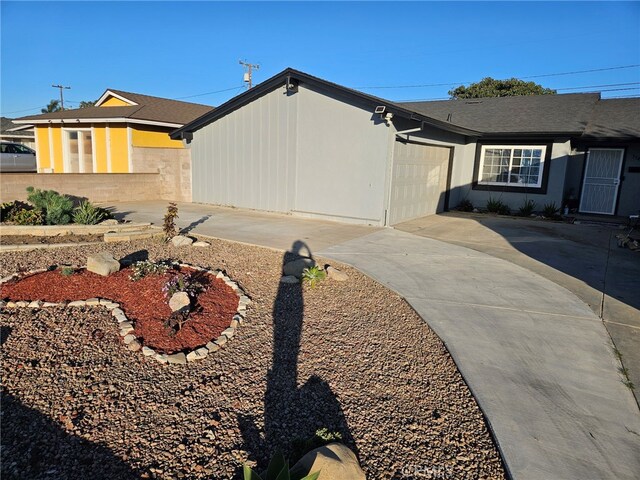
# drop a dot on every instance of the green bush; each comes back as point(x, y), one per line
point(313, 275)
point(88, 214)
point(57, 208)
point(9, 209)
point(26, 216)
point(67, 271)
point(497, 206)
point(527, 208)
point(465, 205)
point(550, 210)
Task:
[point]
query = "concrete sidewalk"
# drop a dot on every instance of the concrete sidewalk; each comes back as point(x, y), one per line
point(537, 359)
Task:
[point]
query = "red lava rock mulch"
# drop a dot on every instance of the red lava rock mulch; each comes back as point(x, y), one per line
point(143, 302)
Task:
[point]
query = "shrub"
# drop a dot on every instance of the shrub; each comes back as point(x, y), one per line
point(169, 226)
point(465, 205)
point(67, 271)
point(497, 206)
point(527, 208)
point(8, 209)
point(313, 275)
point(278, 469)
point(550, 210)
point(26, 216)
point(88, 214)
point(57, 208)
point(144, 267)
point(182, 283)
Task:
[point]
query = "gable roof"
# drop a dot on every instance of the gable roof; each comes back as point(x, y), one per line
point(334, 89)
point(615, 118)
point(522, 115)
point(147, 110)
point(10, 129)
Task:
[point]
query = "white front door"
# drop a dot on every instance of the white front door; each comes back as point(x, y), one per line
point(601, 180)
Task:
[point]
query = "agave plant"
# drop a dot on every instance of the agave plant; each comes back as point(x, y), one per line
point(278, 469)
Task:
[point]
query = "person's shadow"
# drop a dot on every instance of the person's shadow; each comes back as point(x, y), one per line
point(292, 414)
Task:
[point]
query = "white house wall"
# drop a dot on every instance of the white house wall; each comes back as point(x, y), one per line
point(248, 158)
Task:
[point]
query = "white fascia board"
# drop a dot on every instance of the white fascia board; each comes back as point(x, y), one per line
point(75, 121)
point(109, 93)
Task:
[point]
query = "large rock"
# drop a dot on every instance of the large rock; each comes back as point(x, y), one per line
point(179, 301)
point(333, 461)
point(103, 264)
point(337, 275)
point(181, 241)
point(296, 267)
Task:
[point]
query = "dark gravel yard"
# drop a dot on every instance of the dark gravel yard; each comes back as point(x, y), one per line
point(350, 356)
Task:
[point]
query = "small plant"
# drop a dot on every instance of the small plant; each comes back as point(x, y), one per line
point(323, 436)
point(527, 208)
point(144, 267)
point(182, 283)
point(175, 322)
point(57, 208)
point(497, 206)
point(465, 205)
point(313, 275)
point(5, 210)
point(67, 271)
point(169, 226)
point(278, 469)
point(26, 216)
point(550, 210)
point(88, 214)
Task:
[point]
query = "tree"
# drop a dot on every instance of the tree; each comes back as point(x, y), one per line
point(490, 87)
point(54, 106)
point(85, 104)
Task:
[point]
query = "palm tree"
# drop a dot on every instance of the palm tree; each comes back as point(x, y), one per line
point(54, 106)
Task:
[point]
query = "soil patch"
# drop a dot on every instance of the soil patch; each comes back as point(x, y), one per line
point(143, 302)
point(31, 239)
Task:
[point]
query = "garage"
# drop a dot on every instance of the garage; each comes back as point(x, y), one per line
point(419, 181)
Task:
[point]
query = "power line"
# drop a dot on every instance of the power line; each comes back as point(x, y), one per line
point(209, 93)
point(597, 86)
point(25, 110)
point(471, 81)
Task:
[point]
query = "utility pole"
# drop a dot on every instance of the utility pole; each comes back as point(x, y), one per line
point(248, 73)
point(61, 96)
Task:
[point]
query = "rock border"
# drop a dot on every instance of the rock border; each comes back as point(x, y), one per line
point(127, 326)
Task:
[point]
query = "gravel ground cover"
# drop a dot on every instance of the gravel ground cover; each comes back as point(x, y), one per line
point(31, 239)
point(352, 357)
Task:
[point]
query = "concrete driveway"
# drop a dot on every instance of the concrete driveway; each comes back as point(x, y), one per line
point(537, 358)
point(585, 259)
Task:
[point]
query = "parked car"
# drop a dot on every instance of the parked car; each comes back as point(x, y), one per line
point(17, 158)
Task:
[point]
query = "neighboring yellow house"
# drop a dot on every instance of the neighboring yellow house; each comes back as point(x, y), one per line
point(123, 133)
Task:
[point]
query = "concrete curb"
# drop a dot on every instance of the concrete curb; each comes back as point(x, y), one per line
point(56, 230)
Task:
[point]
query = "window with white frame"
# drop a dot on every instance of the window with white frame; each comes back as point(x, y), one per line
point(512, 165)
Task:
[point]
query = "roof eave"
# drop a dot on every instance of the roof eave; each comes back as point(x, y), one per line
point(48, 121)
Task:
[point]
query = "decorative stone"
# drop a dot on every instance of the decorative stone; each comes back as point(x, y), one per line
point(116, 311)
point(50, 304)
point(229, 332)
point(181, 241)
point(337, 275)
point(238, 318)
point(22, 304)
point(179, 301)
point(177, 358)
point(192, 356)
point(244, 300)
point(234, 324)
point(148, 352)
point(135, 346)
point(77, 303)
point(289, 279)
point(296, 267)
point(201, 244)
point(129, 338)
point(126, 324)
point(197, 354)
point(221, 275)
point(334, 460)
point(93, 302)
point(126, 331)
point(11, 305)
point(221, 340)
point(202, 351)
point(161, 357)
point(35, 304)
point(103, 264)
point(212, 347)
point(109, 222)
point(121, 318)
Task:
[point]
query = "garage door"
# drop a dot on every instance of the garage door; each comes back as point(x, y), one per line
point(419, 181)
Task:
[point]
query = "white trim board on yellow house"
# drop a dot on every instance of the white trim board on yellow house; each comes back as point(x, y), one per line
point(103, 138)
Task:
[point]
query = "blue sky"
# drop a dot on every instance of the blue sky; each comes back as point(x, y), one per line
point(180, 49)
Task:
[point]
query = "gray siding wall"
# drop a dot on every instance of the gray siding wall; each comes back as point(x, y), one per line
point(342, 160)
point(248, 158)
point(462, 179)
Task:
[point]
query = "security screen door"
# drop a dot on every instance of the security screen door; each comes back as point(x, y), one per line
point(601, 180)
